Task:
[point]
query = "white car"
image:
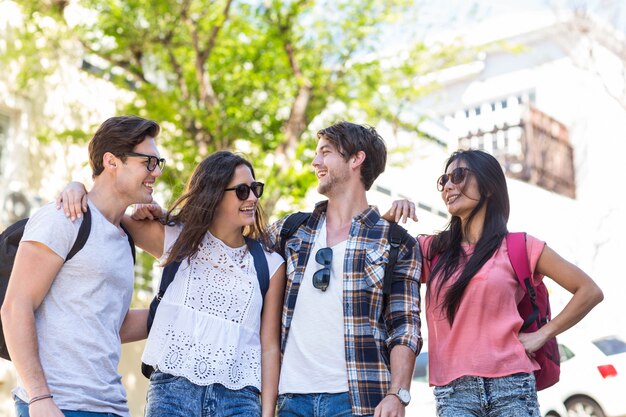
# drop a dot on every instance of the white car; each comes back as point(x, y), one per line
point(593, 377)
point(422, 399)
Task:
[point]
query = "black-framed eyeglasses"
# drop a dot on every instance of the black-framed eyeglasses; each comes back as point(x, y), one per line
point(321, 278)
point(152, 162)
point(243, 190)
point(457, 176)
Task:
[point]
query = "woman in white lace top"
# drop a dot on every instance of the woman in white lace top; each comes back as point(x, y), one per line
point(214, 341)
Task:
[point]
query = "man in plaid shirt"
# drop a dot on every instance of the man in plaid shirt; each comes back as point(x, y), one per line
point(347, 350)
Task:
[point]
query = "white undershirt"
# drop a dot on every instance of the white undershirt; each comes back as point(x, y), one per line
point(314, 360)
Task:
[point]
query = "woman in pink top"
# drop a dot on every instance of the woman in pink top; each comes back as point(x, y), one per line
point(480, 364)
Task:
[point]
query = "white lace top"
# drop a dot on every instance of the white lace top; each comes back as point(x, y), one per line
point(206, 328)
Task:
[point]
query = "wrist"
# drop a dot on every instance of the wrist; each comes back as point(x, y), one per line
point(38, 398)
point(402, 394)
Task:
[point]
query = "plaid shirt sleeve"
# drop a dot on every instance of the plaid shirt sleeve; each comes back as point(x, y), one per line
point(402, 314)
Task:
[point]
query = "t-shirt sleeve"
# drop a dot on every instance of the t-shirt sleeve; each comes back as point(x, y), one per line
point(170, 235)
point(50, 227)
point(425, 242)
point(534, 248)
point(274, 261)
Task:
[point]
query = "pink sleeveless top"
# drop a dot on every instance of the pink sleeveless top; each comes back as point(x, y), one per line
point(483, 340)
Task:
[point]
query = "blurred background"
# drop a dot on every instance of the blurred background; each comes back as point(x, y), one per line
point(539, 84)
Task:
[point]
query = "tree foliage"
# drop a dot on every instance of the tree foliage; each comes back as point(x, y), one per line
point(242, 75)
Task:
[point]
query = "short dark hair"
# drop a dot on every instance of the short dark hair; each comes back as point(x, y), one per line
point(119, 135)
point(350, 138)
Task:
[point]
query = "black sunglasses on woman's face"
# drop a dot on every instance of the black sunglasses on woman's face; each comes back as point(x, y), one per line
point(457, 176)
point(243, 190)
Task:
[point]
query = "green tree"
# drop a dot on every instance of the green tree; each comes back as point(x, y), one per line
point(254, 76)
point(246, 75)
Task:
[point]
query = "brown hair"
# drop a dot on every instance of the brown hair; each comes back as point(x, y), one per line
point(350, 138)
point(195, 209)
point(119, 135)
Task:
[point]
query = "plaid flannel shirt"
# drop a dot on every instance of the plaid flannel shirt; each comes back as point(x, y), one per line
point(369, 332)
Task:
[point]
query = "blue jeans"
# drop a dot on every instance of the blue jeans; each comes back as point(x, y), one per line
point(510, 396)
point(314, 405)
point(21, 410)
point(176, 396)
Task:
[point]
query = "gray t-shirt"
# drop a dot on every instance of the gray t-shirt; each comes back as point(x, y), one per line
point(79, 320)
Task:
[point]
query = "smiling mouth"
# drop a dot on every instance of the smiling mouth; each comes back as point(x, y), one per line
point(452, 199)
point(247, 210)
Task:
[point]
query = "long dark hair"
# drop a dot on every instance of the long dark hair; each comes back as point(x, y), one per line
point(195, 209)
point(447, 244)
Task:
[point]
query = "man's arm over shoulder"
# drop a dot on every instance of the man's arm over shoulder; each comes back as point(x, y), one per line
point(402, 314)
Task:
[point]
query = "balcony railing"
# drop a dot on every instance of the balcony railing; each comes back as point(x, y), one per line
point(535, 150)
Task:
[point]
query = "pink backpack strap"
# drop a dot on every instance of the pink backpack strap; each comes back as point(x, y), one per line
point(516, 246)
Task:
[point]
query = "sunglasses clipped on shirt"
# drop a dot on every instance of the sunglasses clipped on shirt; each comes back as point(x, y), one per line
point(321, 278)
point(152, 162)
point(457, 176)
point(242, 191)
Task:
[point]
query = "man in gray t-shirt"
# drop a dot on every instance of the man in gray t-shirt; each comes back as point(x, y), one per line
point(63, 322)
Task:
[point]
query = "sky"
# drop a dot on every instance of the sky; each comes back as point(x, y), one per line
point(443, 15)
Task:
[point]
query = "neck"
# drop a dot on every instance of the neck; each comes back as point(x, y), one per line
point(231, 237)
point(339, 214)
point(473, 234)
point(107, 203)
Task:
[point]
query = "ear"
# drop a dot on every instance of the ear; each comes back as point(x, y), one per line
point(357, 159)
point(109, 161)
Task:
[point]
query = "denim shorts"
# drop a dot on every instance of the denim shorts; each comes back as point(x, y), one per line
point(315, 405)
point(176, 396)
point(511, 396)
point(21, 410)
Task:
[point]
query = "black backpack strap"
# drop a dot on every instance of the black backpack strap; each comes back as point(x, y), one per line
point(396, 235)
point(169, 272)
point(131, 242)
point(83, 235)
point(292, 223)
point(260, 264)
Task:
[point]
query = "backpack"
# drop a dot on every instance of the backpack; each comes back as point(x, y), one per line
point(535, 309)
point(397, 235)
point(9, 242)
point(169, 272)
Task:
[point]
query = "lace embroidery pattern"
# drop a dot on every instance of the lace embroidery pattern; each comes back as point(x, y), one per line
point(207, 326)
point(203, 363)
point(211, 288)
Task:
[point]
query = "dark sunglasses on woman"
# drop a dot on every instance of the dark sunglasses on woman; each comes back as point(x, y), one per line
point(243, 190)
point(457, 176)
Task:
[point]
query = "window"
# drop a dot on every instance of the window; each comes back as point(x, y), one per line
point(610, 345)
point(421, 367)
